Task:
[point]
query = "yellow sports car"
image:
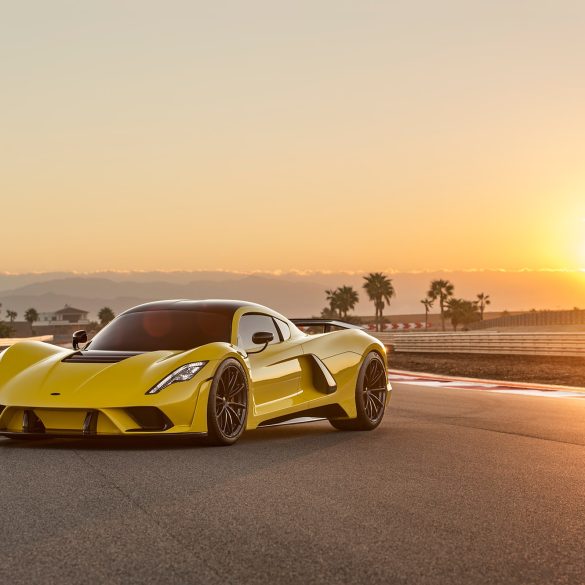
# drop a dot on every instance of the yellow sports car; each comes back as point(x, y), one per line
point(181, 367)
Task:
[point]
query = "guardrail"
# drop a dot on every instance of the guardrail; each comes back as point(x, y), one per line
point(8, 341)
point(533, 319)
point(545, 344)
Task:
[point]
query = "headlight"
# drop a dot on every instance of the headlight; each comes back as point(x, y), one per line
point(181, 374)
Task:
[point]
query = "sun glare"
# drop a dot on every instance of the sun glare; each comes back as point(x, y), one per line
point(582, 249)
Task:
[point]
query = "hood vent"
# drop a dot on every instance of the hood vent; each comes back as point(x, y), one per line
point(99, 357)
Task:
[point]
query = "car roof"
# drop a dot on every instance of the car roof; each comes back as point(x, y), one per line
point(213, 305)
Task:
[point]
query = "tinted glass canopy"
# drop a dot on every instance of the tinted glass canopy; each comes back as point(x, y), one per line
point(164, 329)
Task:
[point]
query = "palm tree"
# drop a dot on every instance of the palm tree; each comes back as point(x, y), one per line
point(428, 304)
point(105, 315)
point(30, 316)
point(11, 315)
point(483, 301)
point(380, 290)
point(461, 312)
point(442, 290)
point(347, 300)
point(333, 300)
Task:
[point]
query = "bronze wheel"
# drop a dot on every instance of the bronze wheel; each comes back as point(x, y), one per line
point(227, 408)
point(370, 396)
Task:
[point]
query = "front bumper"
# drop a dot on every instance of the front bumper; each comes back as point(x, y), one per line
point(183, 412)
point(77, 422)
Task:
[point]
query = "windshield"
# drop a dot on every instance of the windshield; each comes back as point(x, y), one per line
point(156, 330)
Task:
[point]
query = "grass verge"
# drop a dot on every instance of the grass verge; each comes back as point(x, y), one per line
point(564, 371)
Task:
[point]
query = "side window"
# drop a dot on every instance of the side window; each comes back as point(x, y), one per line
point(284, 329)
point(252, 323)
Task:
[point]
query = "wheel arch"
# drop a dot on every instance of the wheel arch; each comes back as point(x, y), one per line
point(378, 348)
point(199, 423)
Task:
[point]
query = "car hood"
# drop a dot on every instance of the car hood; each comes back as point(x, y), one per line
point(33, 376)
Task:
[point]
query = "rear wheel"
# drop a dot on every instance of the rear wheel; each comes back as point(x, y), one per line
point(370, 396)
point(227, 407)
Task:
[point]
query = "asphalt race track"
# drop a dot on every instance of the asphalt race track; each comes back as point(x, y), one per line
point(456, 486)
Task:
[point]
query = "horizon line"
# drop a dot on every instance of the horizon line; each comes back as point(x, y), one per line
point(295, 271)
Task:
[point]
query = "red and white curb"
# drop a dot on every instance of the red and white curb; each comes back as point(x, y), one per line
point(499, 387)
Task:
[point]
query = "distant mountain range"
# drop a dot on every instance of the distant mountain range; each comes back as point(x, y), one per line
point(294, 294)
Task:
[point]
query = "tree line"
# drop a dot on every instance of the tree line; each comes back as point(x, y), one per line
point(377, 285)
point(105, 315)
point(459, 311)
point(380, 290)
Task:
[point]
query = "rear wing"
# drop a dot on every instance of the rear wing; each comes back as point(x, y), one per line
point(323, 325)
point(314, 326)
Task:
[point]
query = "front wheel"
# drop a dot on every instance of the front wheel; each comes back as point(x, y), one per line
point(370, 396)
point(227, 407)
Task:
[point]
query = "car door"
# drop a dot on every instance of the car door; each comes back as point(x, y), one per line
point(276, 370)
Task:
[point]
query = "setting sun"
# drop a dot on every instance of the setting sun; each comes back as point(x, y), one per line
point(290, 132)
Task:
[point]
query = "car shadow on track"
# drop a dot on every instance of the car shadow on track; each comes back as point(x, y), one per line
point(200, 469)
point(286, 434)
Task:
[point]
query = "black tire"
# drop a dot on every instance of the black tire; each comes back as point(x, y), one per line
point(370, 396)
point(227, 407)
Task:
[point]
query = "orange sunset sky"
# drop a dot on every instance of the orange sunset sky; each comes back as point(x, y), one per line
point(292, 135)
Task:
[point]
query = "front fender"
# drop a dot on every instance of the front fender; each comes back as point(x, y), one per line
point(199, 423)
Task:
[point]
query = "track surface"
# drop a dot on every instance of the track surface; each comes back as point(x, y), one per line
point(456, 486)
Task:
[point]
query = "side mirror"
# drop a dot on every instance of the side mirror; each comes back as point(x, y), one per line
point(262, 338)
point(78, 338)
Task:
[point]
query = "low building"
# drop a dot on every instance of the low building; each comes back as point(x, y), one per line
point(61, 324)
point(63, 316)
